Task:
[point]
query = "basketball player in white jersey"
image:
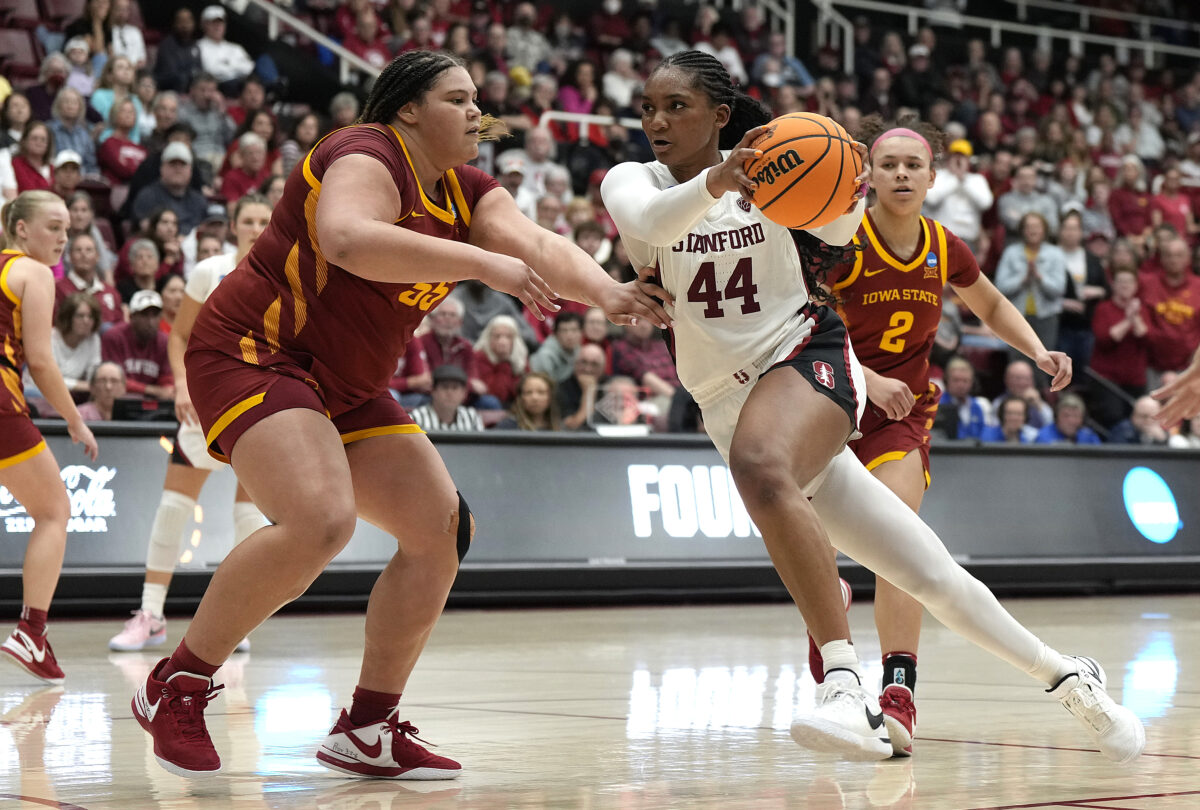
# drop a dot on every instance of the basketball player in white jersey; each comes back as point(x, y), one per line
point(190, 462)
point(744, 325)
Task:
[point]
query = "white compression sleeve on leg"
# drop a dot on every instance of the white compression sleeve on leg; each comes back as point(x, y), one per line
point(871, 525)
point(246, 520)
point(166, 535)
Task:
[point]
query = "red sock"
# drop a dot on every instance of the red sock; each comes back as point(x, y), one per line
point(184, 660)
point(371, 707)
point(33, 621)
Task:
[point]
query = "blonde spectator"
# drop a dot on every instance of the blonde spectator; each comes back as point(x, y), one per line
point(501, 357)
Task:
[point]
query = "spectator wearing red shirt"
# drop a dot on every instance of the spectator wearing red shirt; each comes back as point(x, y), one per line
point(1171, 205)
point(119, 157)
point(413, 379)
point(141, 349)
point(85, 277)
point(1172, 302)
point(250, 100)
point(595, 332)
point(444, 344)
point(32, 157)
point(643, 356)
point(1130, 202)
point(369, 39)
point(501, 358)
point(251, 169)
point(1121, 351)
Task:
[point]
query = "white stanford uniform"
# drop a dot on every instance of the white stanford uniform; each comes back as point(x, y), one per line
point(190, 446)
point(741, 304)
point(738, 301)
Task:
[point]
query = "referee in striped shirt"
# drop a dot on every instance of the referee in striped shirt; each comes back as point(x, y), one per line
point(445, 410)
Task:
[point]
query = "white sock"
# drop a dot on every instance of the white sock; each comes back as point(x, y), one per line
point(153, 598)
point(247, 519)
point(166, 534)
point(841, 661)
point(1051, 666)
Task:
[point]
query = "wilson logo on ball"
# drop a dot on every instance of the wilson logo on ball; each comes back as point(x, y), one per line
point(778, 167)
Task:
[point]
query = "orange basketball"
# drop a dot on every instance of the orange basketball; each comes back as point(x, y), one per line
point(806, 173)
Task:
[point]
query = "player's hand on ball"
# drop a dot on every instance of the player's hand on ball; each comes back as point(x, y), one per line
point(730, 175)
point(511, 275)
point(890, 395)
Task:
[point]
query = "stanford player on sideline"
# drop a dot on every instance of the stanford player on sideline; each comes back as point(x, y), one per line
point(778, 386)
point(190, 462)
point(35, 224)
point(288, 369)
point(890, 298)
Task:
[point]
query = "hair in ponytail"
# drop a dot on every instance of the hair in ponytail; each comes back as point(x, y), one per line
point(23, 207)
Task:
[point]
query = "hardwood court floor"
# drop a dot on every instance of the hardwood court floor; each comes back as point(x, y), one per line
point(622, 708)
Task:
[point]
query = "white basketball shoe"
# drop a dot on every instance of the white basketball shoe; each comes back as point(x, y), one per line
point(1115, 729)
point(846, 721)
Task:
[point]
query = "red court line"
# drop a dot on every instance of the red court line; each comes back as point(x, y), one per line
point(1048, 748)
point(1088, 802)
point(57, 805)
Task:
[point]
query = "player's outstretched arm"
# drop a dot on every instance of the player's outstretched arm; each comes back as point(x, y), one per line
point(1180, 398)
point(500, 228)
point(998, 314)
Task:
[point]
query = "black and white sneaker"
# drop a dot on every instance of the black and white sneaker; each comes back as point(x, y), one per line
point(1115, 729)
point(846, 721)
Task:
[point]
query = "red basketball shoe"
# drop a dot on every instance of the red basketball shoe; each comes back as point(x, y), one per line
point(33, 654)
point(815, 664)
point(382, 750)
point(900, 717)
point(172, 712)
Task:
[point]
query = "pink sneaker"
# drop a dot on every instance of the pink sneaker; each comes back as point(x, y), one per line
point(382, 750)
point(143, 630)
point(172, 712)
point(900, 717)
point(32, 654)
point(815, 665)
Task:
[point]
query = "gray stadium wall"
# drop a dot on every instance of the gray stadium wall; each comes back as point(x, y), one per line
point(573, 518)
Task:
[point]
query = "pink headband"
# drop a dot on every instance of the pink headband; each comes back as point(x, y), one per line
point(902, 132)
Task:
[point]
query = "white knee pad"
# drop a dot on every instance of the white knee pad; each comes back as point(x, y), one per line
point(194, 448)
point(166, 535)
point(246, 520)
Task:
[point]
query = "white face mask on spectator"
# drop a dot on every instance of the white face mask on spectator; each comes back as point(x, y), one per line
point(612, 6)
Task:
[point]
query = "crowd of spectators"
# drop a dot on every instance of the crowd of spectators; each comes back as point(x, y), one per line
point(1074, 180)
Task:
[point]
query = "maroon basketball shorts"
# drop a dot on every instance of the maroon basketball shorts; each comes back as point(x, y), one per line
point(886, 439)
point(19, 440)
point(231, 395)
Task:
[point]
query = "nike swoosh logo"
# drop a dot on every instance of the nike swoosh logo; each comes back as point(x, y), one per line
point(148, 709)
point(371, 751)
point(875, 720)
point(34, 653)
point(869, 273)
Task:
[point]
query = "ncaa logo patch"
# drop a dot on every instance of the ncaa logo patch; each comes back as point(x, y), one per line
point(823, 372)
point(931, 265)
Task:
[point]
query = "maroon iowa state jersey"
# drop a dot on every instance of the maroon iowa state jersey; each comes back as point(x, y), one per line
point(12, 396)
point(287, 305)
point(892, 305)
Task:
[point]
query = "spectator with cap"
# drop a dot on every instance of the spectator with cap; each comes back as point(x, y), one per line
point(918, 85)
point(510, 171)
point(81, 66)
point(446, 409)
point(226, 61)
point(212, 129)
point(959, 197)
point(67, 173)
point(173, 190)
point(214, 226)
point(106, 386)
point(141, 349)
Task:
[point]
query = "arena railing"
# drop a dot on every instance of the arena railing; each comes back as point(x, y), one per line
point(832, 25)
point(279, 19)
point(585, 119)
point(1145, 22)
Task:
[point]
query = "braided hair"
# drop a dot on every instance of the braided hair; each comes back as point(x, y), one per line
point(708, 76)
point(407, 78)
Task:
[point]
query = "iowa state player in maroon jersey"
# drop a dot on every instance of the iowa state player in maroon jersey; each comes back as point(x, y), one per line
point(890, 298)
point(35, 227)
point(288, 368)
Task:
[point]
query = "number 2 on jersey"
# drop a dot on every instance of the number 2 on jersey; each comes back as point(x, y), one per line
point(891, 341)
point(741, 285)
